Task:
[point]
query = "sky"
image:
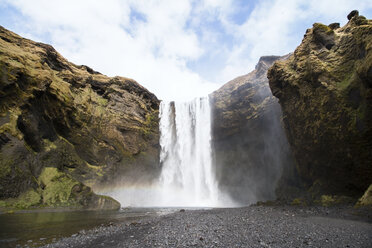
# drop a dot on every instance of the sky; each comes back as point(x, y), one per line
point(177, 49)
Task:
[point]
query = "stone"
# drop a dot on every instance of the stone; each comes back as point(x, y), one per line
point(352, 14)
point(334, 25)
point(250, 146)
point(79, 125)
point(325, 95)
point(323, 35)
point(366, 199)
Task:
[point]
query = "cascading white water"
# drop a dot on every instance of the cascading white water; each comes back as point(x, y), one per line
point(187, 177)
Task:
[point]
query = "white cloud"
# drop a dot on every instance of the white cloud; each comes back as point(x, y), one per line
point(276, 28)
point(100, 34)
point(177, 49)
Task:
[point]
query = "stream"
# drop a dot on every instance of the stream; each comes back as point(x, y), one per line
point(39, 228)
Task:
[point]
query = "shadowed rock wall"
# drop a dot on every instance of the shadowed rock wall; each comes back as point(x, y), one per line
point(251, 150)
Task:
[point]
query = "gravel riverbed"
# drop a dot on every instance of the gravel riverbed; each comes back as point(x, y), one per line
point(255, 226)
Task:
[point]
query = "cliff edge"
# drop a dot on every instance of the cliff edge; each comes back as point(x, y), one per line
point(65, 128)
point(250, 148)
point(325, 91)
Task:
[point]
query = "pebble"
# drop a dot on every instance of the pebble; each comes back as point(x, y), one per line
point(256, 226)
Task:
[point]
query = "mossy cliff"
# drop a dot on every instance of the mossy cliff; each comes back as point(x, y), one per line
point(325, 91)
point(251, 150)
point(65, 127)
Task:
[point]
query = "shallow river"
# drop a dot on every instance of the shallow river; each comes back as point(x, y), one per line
point(38, 228)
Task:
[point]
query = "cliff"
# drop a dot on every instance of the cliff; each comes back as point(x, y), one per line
point(325, 91)
point(251, 150)
point(65, 128)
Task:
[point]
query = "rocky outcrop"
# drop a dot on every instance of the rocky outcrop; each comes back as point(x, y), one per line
point(366, 199)
point(65, 128)
point(249, 142)
point(325, 91)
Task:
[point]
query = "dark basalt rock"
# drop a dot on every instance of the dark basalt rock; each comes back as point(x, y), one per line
point(352, 14)
point(323, 35)
point(333, 26)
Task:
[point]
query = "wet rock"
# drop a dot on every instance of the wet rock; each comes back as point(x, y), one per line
point(246, 121)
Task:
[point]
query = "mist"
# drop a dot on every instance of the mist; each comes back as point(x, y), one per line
point(227, 151)
point(187, 175)
point(251, 150)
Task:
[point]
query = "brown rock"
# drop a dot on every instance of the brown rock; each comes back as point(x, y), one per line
point(55, 113)
point(325, 95)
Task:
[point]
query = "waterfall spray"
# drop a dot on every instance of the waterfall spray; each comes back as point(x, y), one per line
point(187, 177)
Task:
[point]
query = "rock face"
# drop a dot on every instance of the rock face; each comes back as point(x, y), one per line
point(366, 199)
point(325, 91)
point(250, 146)
point(65, 127)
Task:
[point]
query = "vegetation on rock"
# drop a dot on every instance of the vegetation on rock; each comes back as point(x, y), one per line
point(325, 91)
point(65, 127)
point(366, 199)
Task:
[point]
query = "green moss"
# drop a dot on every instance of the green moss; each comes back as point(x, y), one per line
point(48, 145)
point(344, 84)
point(366, 199)
point(58, 186)
point(322, 27)
point(150, 123)
point(98, 169)
point(266, 203)
point(327, 200)
point(61, 89)
point(5, 167)
point(102, 101)
point(27, 199)
point(11, 126)
point(74, 109)
point(332, 200)
point(298, 202)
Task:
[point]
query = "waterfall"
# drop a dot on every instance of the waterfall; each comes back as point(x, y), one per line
point(187, 177)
